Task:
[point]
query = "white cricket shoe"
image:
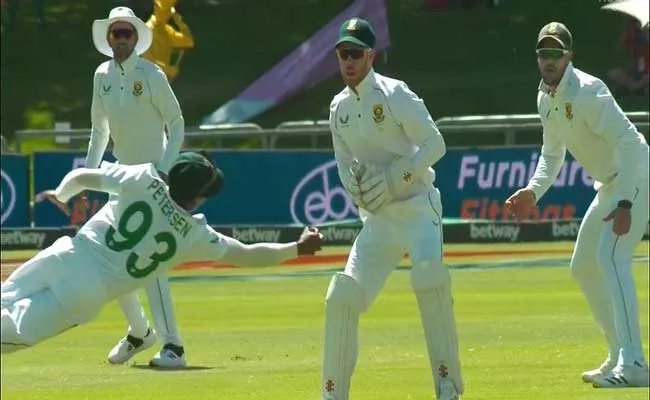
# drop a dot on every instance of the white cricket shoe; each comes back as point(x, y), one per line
point(170, 356)
point(130, 346)
point(605, 368)
point(624, 376)
point(448, 390)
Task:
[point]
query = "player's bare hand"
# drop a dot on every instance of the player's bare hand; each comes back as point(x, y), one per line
point(310, 242)
point(50, 195)
point(521, 204)
point(622, 219)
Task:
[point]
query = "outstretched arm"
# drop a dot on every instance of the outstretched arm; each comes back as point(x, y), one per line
point(109, 178)
point(232, 251)
point(258, 254)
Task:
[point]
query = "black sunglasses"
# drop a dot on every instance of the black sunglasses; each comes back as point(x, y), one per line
point(551, 54)
point(125, 33)
point(356, 54)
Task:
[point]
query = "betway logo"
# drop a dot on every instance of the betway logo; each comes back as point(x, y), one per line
point(13, 238)
point(493, 231)
point(254, 235)
point(334, 234)
point(567, 230)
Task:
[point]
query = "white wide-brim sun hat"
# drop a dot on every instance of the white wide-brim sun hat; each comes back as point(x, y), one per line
point(101, 26)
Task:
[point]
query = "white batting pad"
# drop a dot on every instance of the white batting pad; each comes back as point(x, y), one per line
point(344, 304)
point(432, 285)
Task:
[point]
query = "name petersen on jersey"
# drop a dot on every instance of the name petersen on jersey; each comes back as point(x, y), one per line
point(177, 221)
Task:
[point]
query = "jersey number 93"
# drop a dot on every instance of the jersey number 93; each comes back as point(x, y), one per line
point(131, 238)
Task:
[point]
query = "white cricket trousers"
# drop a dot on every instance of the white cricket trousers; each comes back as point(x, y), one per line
point(413, 226)
point(602, 266)
point(54, 291)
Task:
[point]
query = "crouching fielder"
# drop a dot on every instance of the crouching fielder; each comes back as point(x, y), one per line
point(129, 243)
point(385, 142)
point(578, 113)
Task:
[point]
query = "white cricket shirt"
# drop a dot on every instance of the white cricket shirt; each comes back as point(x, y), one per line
point(143, 233)
point(133, 103)
point(583, 117)
point(379, 121)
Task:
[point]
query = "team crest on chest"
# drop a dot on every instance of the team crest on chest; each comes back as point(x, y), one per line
point(137, 88)
point(568, 111)
point(378, 112)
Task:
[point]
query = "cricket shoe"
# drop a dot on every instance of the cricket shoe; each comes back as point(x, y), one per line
point(170, 356)
point(605, 368)
point(448, 390)
point(130, 346)
point(624, 376)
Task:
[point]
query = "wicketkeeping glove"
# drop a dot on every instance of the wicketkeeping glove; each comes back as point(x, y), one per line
point(400, 175)
point(351, 184)
point(374, 191)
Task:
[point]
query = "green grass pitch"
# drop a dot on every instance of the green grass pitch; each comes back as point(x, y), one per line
point(525, 333)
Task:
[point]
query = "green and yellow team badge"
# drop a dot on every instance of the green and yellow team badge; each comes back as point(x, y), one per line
point(568, 111)
point(137, 88)
point(378, 112)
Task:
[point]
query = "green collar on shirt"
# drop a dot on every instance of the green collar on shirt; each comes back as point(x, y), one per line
point(366, 84)
point(564, 82)
point(129, 65)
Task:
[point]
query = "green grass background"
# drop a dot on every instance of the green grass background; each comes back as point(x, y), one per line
point(524, 333)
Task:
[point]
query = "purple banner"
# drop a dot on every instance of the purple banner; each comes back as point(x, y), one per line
point(312, 62)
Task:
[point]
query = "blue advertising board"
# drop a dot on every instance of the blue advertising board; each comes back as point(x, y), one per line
point(476, 182)
point(303, 187)
point(14, 190)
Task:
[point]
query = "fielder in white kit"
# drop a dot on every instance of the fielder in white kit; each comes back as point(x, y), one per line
point(385, 142)
point(579, 114)
point(131, 241)
point(133, 103)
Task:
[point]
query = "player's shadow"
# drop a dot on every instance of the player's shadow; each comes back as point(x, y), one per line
point(188, 368)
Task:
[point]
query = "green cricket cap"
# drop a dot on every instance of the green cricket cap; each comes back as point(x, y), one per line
point(558, 32)
point(194, 175)
point(357, 32)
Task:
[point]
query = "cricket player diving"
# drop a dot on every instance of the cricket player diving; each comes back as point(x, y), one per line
point(579, 114)
point(129, 243)
point(385, 143)
point(132, 104)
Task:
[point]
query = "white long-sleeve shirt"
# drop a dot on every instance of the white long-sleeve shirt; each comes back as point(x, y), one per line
point(583, 117)
point(132, 104)
point(379, 121)
point(160, 234)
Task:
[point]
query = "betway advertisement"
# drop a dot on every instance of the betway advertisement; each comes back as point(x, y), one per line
point(303, 187)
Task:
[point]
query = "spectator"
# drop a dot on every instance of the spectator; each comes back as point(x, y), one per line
point(633, 78)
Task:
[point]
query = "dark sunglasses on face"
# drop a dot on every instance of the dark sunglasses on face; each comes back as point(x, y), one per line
point(551, 54)
point(344, 53)
point(122, 33)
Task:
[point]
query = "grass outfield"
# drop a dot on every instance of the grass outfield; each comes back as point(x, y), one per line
point(525, 334)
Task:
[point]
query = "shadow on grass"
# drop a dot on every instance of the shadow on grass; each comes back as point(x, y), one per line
point(185, 369)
